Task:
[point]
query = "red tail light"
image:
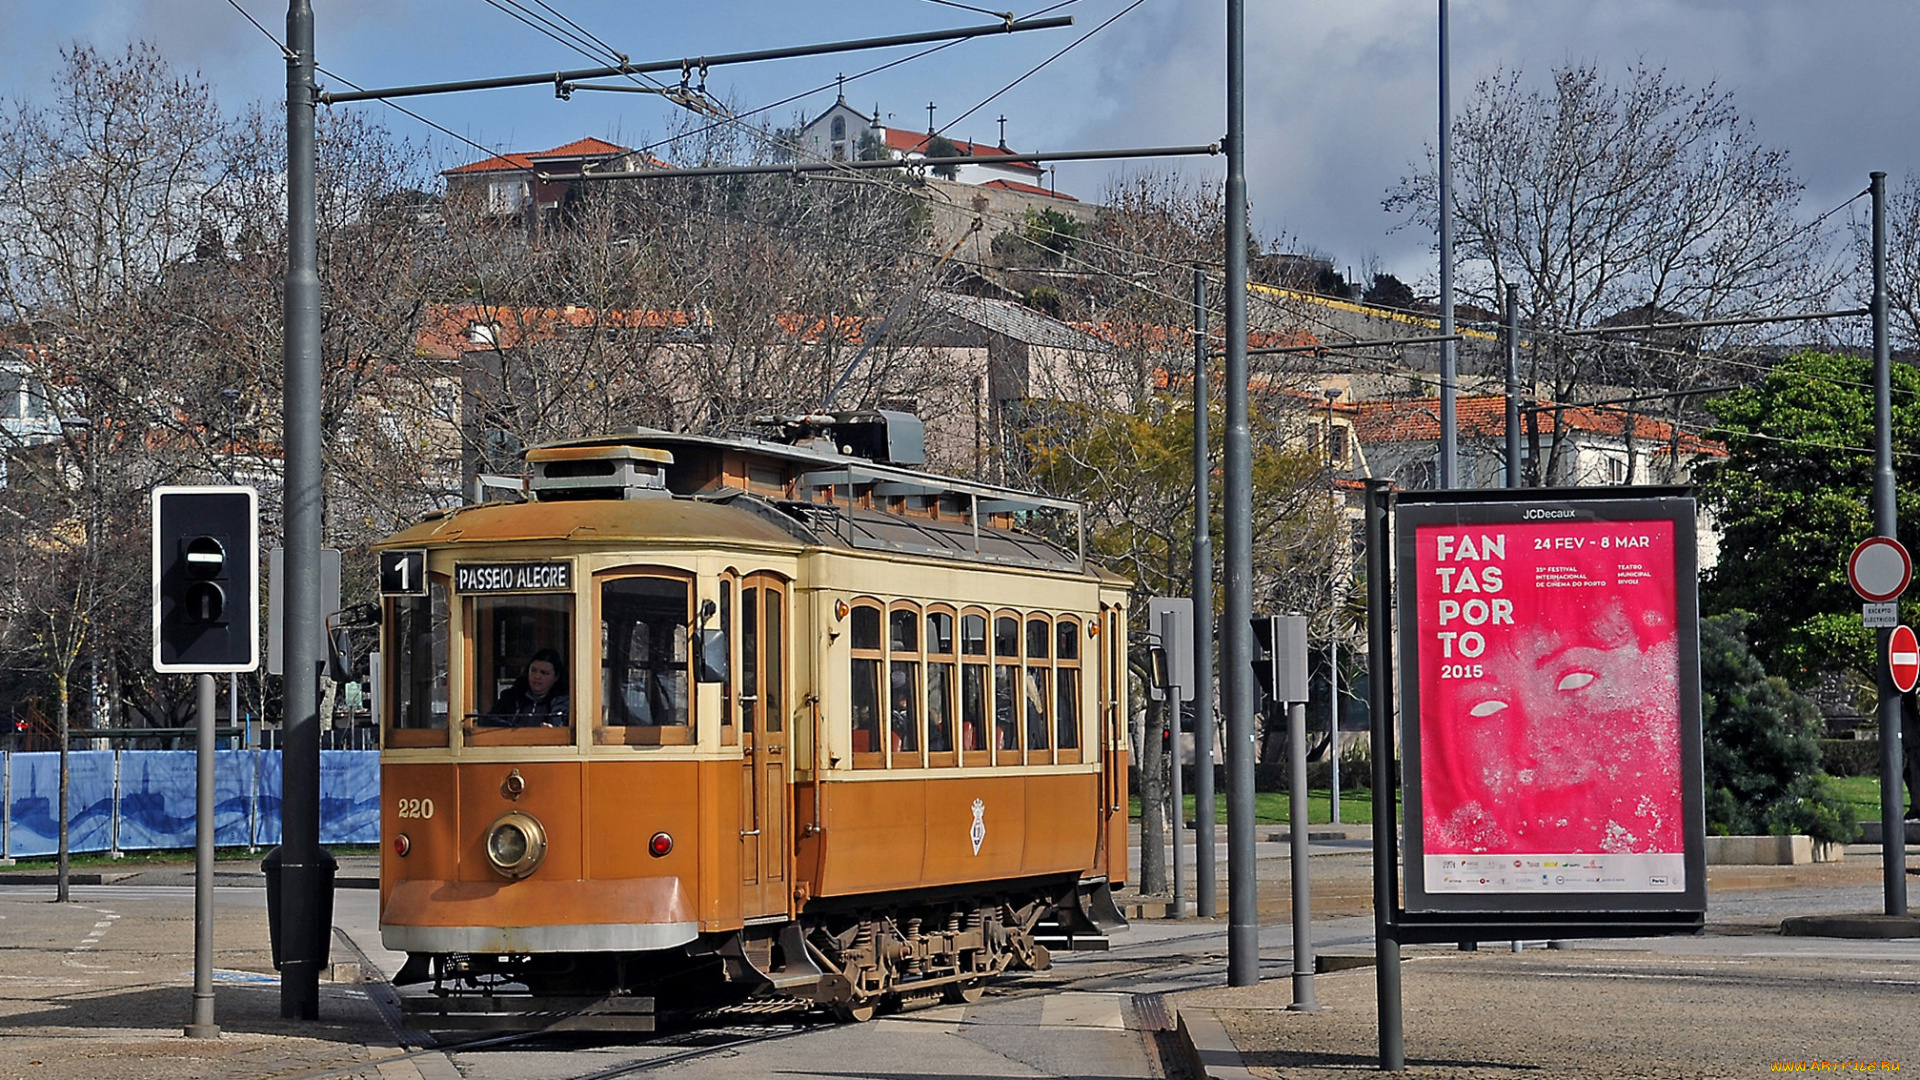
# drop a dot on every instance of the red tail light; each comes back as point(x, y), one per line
point(402, 845)
point(660, 844)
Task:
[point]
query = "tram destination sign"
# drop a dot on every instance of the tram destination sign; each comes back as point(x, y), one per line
point(1551, 685)
point(512, 577)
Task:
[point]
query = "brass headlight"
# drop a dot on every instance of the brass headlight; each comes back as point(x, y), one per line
point(516, 842)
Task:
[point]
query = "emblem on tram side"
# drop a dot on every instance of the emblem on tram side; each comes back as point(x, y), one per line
point(979, 831)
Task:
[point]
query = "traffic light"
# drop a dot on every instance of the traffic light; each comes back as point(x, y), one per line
point(1263, 656)
point(206, 569)
point(1280, 656)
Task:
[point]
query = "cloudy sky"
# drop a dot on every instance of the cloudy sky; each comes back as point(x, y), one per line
point(1341, 95)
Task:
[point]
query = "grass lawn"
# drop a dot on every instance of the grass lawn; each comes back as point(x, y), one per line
point(1270, 807)
point(1863, 792)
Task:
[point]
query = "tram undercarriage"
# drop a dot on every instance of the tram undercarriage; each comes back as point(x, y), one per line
point(856, 959)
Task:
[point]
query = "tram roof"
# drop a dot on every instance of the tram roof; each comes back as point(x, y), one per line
point(678, 521)
point(820, 465)
point(659, 487)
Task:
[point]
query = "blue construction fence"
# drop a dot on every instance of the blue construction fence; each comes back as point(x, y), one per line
point(136, 800)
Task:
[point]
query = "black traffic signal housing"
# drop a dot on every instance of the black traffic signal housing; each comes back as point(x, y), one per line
point(1280, 657)
point(1263, 655)
point(206, 572)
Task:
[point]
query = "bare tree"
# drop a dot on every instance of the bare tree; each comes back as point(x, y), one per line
point(1601, 199)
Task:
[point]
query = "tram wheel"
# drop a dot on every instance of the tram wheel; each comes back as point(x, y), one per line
point(966, 993)
point(857, 1012)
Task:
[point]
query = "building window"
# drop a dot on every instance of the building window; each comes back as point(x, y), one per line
point(506, 196)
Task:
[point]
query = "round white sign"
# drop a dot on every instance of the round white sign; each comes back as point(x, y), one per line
point(1879, 569)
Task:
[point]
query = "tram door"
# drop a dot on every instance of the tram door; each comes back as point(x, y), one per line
point(1113, 763)
point(764, 839)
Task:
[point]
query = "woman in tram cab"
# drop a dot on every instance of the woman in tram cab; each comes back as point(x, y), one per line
point(537, 698)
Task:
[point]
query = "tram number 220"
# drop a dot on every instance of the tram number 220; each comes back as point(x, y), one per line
point(416, 808)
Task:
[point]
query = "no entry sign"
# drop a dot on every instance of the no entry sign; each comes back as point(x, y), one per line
point(1903, 658)
point(1879, 569)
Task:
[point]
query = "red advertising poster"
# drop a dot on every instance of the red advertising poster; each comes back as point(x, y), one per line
point(1550, 735)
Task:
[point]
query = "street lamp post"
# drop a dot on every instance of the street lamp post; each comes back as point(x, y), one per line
point(1332, 394)
point(72, 430)
point(232, 398)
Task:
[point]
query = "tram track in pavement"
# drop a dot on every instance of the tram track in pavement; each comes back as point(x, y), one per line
point(689, 1035)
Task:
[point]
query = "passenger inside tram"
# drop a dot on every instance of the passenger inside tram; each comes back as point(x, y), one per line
point(537, 698)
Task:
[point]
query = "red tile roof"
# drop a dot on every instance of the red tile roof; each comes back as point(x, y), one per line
point(909, 142)
point(1030, 189)
point(579, 148)
point(1485, 417)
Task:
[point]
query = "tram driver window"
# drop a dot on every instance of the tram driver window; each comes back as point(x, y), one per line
point(645, 653)
point(521, 654)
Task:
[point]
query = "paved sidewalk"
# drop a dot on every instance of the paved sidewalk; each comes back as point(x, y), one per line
point(102, 988)
point(1730, 1003)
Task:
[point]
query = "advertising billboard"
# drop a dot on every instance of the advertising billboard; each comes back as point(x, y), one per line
point(1550, 683)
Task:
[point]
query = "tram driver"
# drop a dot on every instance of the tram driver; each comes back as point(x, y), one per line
point(537, 698)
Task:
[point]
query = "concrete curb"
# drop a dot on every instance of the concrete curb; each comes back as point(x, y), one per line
point(1852, 926)
point(1206, 1048)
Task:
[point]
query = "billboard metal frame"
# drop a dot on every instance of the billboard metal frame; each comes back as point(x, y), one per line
point(1421, 914)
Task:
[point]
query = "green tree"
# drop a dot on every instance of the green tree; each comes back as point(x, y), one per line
point(940, 146)
point(1793, 497)
point(1761, 745)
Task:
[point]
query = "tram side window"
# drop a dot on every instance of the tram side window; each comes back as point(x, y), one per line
point(939, 682)
point(903, 685)
point(644, 666)
point(864, 687)
point(1039, 634)
point(1006, 690)
point(974, 733)
point(420, 631)
point(521, 669)
point(1067, 702)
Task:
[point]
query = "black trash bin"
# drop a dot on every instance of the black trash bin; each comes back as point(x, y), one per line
point(325, 866)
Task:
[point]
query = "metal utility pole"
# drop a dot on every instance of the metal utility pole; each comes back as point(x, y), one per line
point(300, 879)
point(1177, 802)
point(1513, 386)
point(1203, 885)
point(1297, 828)
point(1386, 947)
point(1237, 696)
point(1893, 832)
point(201, 1025)
point(1449, 432)
point(1334, 561)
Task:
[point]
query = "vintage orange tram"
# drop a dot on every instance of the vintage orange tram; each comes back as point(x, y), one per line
point(763, 717)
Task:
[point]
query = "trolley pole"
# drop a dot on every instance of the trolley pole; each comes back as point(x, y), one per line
point(1892, 830)
point(300, 879)
point(1203, 884)
point(1237, 697)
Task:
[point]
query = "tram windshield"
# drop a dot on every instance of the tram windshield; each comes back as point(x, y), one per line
point(522, 670)
point(419, 628)
point(645, 652)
